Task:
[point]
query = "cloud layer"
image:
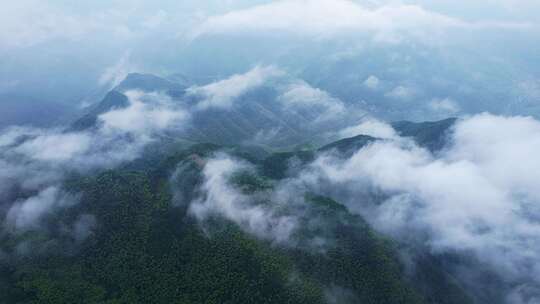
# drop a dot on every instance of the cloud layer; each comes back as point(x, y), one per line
point(35, 162)
point(325, 18)
point(221, 198)
point(479, 197)
point(223, 93)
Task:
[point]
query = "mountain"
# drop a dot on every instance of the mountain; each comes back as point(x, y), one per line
point(256, 117)
point(112, 100)
point(117, 99)
point(148, 248)
point(151, 83)
point(431, 135)
point(135, 237)
point(348, 146)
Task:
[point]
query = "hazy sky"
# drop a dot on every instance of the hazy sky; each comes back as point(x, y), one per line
point(63, 50)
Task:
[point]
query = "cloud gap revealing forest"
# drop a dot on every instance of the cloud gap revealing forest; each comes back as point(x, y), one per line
point(287, 151)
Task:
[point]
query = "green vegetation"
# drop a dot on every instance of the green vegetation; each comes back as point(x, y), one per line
point(431, 135)
point(276, 165)
point(348, 146)
point(147, 249)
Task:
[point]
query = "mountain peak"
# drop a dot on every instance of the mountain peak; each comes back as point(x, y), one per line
point(148, 83)
point(350, 145)
point(429, 134)
point(113, 99)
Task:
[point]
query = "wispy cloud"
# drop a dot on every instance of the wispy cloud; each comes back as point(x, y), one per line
point(221, 198)
point(300, 95)
point(35, 162)
point(372, 82)
point(401, 93)
point(222, 94)
point(370, 127)
point(478, 197)
point(146, 114)
point(26, 214)
point(324, 18)
point(444, 106)
point(114, 74)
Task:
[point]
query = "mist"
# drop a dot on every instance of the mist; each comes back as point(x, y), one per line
point(98, 44)
point(36, 162)
point(413, 121)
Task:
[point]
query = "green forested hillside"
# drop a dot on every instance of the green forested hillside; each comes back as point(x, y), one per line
point(145, 249)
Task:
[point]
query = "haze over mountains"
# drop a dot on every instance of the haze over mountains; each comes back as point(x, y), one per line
point(408, 60)
point(293, 151)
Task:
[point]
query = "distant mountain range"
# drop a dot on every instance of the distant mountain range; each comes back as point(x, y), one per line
point(258, 112)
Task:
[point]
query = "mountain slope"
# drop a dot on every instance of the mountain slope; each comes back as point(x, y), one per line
point(147, 249)
point(256, 117)
point(112, 100)
point(347, 146)
point(431, 135)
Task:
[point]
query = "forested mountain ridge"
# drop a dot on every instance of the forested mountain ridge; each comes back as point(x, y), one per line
point(147, 247)
point(259, 115)
point(270, 151)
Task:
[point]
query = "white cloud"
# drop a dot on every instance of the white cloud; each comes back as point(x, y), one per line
point(294, 95)
point(56, 146)
point(146, 114)
point(486, 10)
point(265, 137)
point(125, 20)
point(42, 22)
point(330, 17)
point(401, 92)
point(120, 136)
point(113, 75)
point(37, 160)
point(155, 20)
point(504, 148)
point(12, 135)
point(480, 196)
point(26, 214)
point(221, 198)
point(222, 94)
point(301, 95)
point(445, 106)
point(370, 127)
point(372, 82)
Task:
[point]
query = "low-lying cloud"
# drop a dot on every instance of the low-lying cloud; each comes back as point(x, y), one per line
point(223, 199)
point(372, 82)
point(222, 94)
point(287, 99)
point(479, 197)
point(401, 93)
point(146, 114)
point(325, 18)
point(26, 214)
point(445, 106)
point(301, 95)
point(370, 127)
point(35, 162)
